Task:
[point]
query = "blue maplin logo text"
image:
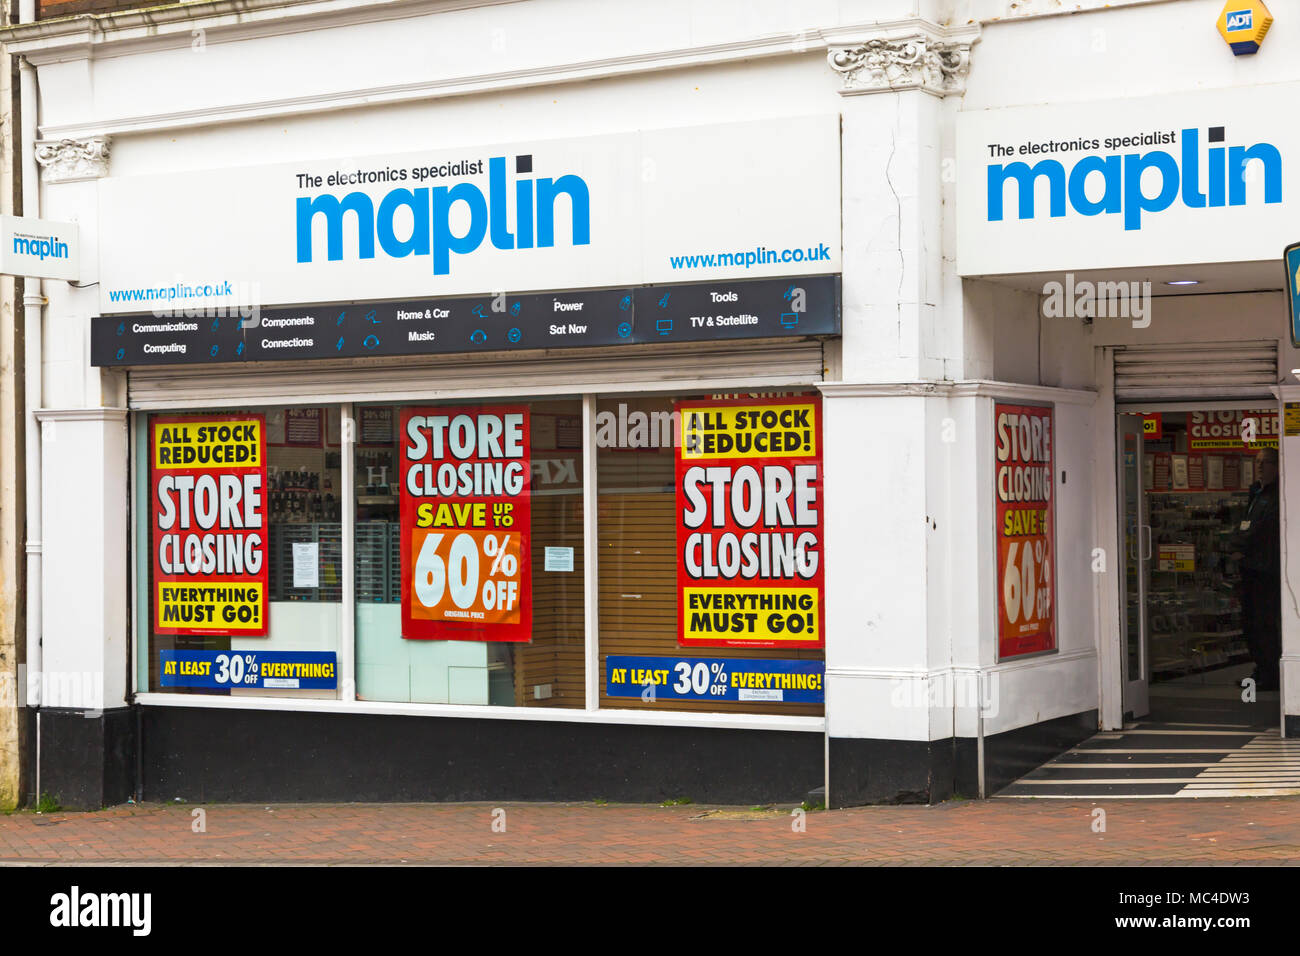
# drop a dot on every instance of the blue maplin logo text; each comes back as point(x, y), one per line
point(42, 247)
point(431, 212)
point(1227, 171)
point(1240, 20)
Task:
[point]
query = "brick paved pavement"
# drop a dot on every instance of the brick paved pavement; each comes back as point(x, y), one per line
point(1263, 830)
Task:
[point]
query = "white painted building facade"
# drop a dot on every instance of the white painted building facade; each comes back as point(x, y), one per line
point(941, 317)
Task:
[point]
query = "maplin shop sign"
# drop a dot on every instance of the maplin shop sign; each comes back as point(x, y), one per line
point(1162, 181)
point(426, 212)
point(626, 209)
point(1121, 176)
point(39, 248)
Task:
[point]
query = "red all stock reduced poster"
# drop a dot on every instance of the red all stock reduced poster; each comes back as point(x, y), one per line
point(1026, 529)
point(750, 521)
point(207, 482)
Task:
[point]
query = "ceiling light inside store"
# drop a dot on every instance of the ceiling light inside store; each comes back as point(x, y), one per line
point(1183, 282)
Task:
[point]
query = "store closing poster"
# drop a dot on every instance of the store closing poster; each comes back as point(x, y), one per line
point(1233, 429)
point(207, 477)
point(750, 523)
point(1026, 529)
point(465, 521)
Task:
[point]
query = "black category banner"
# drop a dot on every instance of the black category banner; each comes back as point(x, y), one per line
point(700, 312)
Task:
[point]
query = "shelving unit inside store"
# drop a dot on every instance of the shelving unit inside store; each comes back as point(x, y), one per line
point(1193, 608)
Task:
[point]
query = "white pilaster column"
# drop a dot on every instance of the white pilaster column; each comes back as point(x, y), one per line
point(84, 537)
point(889, 545)
point(893, 109)
point(83, 460)
point(879, 544)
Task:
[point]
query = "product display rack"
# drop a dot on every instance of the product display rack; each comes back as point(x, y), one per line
point(376, 477)
point(1193, 608)
point(379, 540)
point(329, 537)
point(379, 569)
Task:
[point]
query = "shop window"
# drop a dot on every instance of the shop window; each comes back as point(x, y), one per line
point(468, 552)
point(494, 609)
point(643, 571)
point(239, 559)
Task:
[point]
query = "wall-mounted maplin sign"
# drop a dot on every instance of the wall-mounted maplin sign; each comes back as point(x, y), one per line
point(743, 200)
point(39, 248)
point(1172, 180)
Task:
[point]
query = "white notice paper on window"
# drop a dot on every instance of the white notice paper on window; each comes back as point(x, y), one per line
point(306, 565)
point(1179, 463)
point(1213, 471)
point(559, 559)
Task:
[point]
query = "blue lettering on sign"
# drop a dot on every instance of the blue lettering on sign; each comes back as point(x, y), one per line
point(431, 209)
point(1240, 20)
point(249, 669)
point(716, 679)
point(50, 248)
point(1121, 176)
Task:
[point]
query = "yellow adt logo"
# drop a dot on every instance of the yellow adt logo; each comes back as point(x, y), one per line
point(1243, 24)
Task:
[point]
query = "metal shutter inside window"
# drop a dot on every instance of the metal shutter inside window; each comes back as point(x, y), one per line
point(1202, 369)
point(568, 372)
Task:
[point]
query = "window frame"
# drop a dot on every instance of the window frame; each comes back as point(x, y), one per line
point(347, 702)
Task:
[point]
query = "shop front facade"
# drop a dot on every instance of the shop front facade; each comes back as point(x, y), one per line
point(1148, 210)
point(510, 419)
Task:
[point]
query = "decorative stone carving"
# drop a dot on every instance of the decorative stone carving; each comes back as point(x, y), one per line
point(915, 62)
point(71, 160)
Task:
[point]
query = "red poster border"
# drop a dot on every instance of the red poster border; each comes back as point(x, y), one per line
point(156, 576)
point(999, 510)
point(817, 582)
point(420, 630)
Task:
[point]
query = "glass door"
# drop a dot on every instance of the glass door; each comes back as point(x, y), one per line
point(1135, 539)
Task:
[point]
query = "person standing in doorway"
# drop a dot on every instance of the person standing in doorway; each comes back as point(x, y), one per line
point(1261, 573)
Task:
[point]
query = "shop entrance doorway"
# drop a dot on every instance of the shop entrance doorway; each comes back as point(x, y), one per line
point(1201, 563)
point(1200, 556)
